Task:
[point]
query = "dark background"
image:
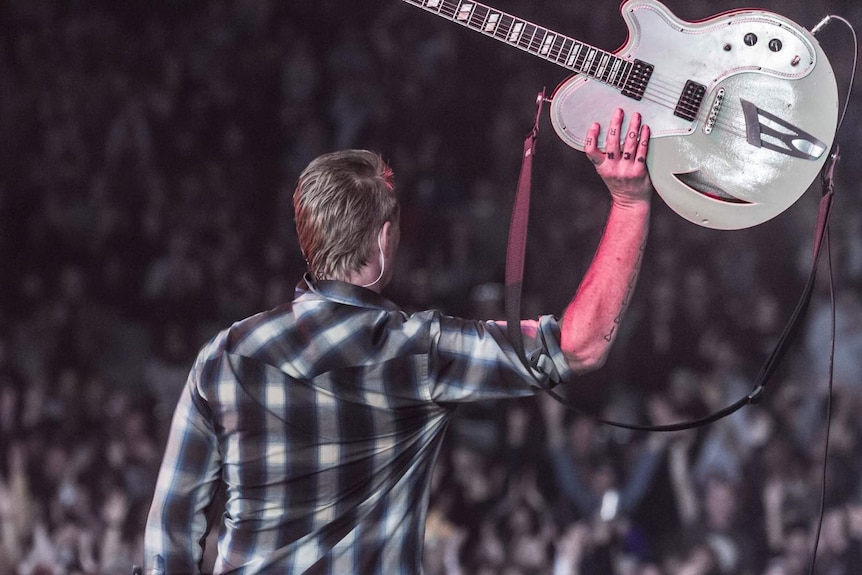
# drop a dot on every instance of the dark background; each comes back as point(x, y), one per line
point(147, 162)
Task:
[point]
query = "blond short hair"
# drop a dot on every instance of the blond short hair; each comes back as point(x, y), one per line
point(341, 201)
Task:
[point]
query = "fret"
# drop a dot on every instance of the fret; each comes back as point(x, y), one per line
point(625, 71)
point(465, 12)
point(491, 23)
point(547, 44)
point(557, 48)
point(451, 7)
point(504, 26)
point(599, 65)
point(440, 6)
point(589, 58)
point(528, 34)
point(515, 32)
point(615, 73)
point(605, 68)
point(594, 63)
point(573, 54)
point(583, 52)
point(582, 58)
point(480, 16)
point(538, 41)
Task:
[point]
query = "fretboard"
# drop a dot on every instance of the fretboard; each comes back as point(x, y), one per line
point(546, 44)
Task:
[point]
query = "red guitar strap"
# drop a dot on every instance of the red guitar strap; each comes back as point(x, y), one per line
point(517, 243)
point(516, 249)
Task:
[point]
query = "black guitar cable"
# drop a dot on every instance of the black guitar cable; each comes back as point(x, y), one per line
point(828, 187)
point(514, 281)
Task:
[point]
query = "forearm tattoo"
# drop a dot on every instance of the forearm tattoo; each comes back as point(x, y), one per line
point(629, 291)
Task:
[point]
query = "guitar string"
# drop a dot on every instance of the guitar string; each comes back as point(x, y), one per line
point(450, 9)
point(668, 89)
point(478, 23)
point(663, 90)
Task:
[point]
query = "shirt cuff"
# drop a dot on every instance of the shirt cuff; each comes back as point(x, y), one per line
point(549, 360)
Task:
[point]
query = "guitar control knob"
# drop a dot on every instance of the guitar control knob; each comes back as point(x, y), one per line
point(775, 45)
point(750, 39)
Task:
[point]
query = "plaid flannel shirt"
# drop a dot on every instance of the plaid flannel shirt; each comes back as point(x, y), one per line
point(323, 419)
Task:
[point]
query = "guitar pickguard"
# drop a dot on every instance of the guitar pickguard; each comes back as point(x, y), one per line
point(765, 118)
point(742, 107)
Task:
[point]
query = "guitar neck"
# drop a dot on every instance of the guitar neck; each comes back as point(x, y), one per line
point(542, 42)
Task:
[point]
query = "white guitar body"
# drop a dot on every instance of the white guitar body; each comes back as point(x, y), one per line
point(719, 179)
point(743, 106)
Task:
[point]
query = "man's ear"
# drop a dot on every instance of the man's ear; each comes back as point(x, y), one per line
point(387, 237)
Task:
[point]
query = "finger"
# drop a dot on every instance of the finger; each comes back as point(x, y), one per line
point(612, 142)
point(643, 145)
point(631, 140)
point(591, 148)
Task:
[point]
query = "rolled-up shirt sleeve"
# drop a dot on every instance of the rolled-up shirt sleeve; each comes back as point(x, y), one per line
point(548, 356)
point(474, 360)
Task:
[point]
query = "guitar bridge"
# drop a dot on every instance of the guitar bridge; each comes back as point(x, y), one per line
point(712, 118)
point(690, 100)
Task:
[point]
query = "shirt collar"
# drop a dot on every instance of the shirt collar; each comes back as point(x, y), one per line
point(344, 293)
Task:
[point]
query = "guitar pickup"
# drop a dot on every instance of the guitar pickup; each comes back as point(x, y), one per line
point(637, 80)
point(690, 100)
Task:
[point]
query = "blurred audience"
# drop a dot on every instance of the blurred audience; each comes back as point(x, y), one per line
point(148, 159)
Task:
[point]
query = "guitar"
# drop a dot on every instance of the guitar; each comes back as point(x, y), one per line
point(743, 106)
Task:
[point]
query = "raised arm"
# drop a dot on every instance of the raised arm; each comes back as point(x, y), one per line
point(591, 320)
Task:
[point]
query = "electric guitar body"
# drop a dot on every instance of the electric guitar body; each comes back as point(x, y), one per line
point(743, 106)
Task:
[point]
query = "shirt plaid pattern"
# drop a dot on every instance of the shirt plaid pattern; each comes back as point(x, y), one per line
point(323, 418)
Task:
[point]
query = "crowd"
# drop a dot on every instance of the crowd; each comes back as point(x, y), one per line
point(149, 153)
